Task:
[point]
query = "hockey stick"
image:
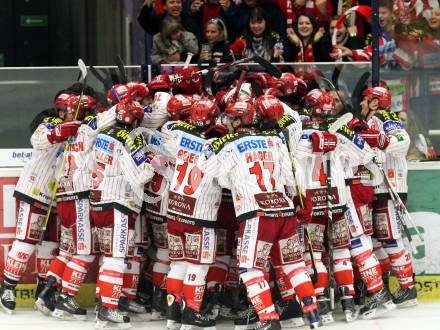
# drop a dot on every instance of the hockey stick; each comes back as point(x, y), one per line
point(107, 82)
point(343, 120)
point(400, 207)
point(121, 69)
point(238, 87)
point(314, 277)
point(82, 67)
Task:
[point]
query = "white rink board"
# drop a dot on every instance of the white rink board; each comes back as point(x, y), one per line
point(424, 317)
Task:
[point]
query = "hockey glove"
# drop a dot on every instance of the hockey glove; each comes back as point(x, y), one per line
point(356, 125)
point(323, 142)
point(375, 138)
point(303, 214)
point(63, 131)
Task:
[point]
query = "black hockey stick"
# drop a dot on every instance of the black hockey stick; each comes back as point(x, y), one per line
point(121, 67)
point(106, 81)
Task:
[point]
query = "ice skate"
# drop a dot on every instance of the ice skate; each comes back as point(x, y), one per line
point(379, 303)
point(348, 305)
point(173, 314)
point(7, 297)
point(194, 320)
point(268, 325)
point(137, 310)
point(108, 318)
point(66, 308)
point(325, 314)
point(159, 304)
point(310, 310)
point(406, 297)
point(47, 297)
point(290, 314)
point(247, 319)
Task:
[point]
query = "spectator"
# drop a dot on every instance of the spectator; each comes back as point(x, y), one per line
point(420, 147)
point(217, 47)
point(259, 39)
point(346, 36)
point(172, 43)
point(433, 30)
point(306, 41)
point(153, 12)
point(236, 17)
point(203, 11)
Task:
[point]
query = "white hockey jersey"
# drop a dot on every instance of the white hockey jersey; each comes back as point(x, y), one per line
point(255, 167)
point(393, 158)
point(120, 170)
point(74, 183)
point(156, 114)
point(37, 179)
point(351, 150)
point(193, 198)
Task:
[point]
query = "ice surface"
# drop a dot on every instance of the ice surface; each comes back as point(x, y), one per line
point(426, 316)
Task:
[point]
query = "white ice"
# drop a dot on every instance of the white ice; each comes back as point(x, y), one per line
point(426, 316)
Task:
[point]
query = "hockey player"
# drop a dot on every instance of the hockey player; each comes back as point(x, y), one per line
point(360, 181)
point(316, 149)
point(119, 174)
point(193, 203)
point(256, 166)
point(387, 134)
point(76, 248)
point(33, 194)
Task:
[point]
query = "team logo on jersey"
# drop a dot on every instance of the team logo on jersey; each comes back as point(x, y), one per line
point(273, 200)
point(391, 125)
point(359, 141)
point(191, 144)
point(290, 249)
point(252, 143)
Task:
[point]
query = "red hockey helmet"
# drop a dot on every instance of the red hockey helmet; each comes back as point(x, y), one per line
point(60, 101)
point(159, 83)
point(269, 107)
point(243, 110)
point(178, 106)
point(121, 90)
point(380, 93)
point(289, 84)
point(129, 112)
point(203, 113)
point(320, 102)
point(138, 90)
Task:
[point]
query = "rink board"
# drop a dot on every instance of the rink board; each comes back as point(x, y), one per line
point(423, 203)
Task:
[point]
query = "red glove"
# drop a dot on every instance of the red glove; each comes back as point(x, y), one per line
point(355, 124)
point(323, 142)
point(375, 138)
point(63, 131)
point(189, 80)
point(304, 215)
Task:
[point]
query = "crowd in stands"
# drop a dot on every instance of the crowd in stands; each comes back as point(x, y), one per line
point(290, 31)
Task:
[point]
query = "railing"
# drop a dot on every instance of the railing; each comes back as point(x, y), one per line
point(24, 92)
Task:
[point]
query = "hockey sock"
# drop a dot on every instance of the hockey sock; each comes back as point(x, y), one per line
point(232, 277)
point(131, 277)
point(175, 279)
point(46, 253)
point(110, 281)
point(58, 266)
point(400, 261)
point(322, 276)
point(194, 285)
point(299, 279)
point(382, 256)
point(160, 268)
point(75, 273)
point(284, 286)
point(366, 264)
point(258, 293)
point(217, 272)
point(343, 270)
point(17, 261)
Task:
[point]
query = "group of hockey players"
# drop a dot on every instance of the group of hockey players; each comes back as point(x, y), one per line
point(254, 204)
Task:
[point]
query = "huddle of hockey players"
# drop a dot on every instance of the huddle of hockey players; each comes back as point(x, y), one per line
point(255, 205)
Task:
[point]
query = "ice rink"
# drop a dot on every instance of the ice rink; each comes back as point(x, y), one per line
point(424, 317)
